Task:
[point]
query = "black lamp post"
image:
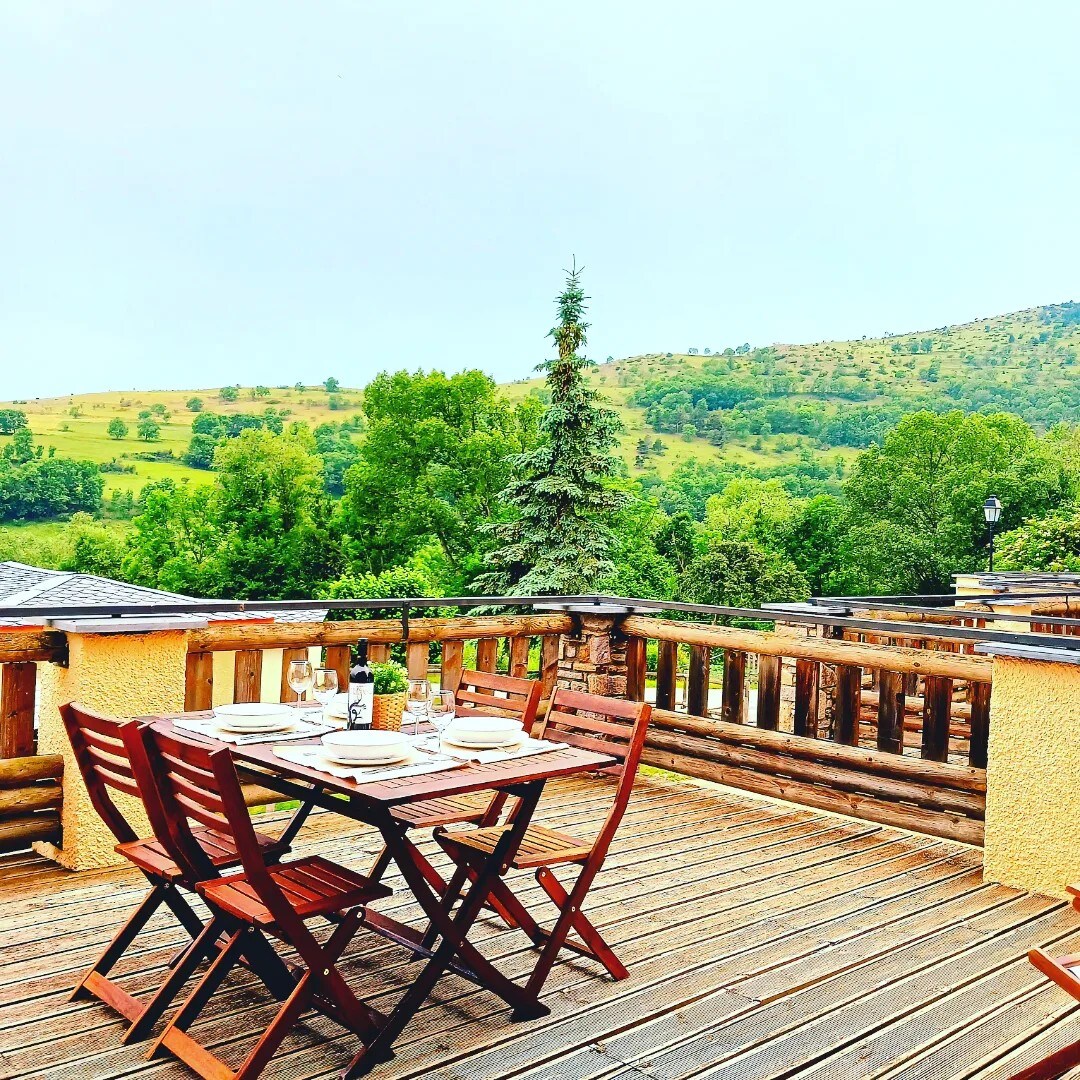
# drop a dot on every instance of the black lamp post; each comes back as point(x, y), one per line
point(992, 513)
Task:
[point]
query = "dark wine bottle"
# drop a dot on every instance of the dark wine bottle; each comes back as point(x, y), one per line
point(361, 690)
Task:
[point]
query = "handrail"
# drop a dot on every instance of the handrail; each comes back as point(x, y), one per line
point(893, 628)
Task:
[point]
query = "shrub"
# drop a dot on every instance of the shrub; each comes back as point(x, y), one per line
point(390, 678)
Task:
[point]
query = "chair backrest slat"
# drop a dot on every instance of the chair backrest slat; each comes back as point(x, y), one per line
point(184, 786)
point(97, 742)
point(608, 726)
point(501, 695)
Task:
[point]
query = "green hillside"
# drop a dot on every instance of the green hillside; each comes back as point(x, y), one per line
point(827, 398)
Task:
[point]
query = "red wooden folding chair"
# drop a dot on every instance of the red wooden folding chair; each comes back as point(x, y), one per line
point(478, 692)
point(100, 747)
point(199, 781)
point(1065, 971)
point(609, 726)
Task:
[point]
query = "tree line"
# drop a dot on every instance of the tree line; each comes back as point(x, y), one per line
point(439, 486)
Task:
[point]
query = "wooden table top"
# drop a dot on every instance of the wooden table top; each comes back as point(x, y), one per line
point(459, 781)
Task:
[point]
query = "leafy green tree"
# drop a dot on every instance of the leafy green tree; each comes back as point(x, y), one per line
point(928, 482)
point(21, 449)
point(260, 530)
point(331, 385)
point(260, 391)
point(117, 429)
point(149, 430)
point(560, 539)
point(159, 409)
point(814, 540)
point(194, 404)
point(229, 393)
point(1050, 543)
point(208, 423)
point(200, 452)
point(11, 420)
point(738, 573)
point(761, 511)
point(431, 467)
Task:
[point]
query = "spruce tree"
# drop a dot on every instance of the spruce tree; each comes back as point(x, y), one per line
point(560, 540)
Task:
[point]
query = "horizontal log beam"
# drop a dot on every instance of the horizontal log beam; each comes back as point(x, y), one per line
point(20, 646)
point(829, 651)
point(17, 802)
point(850, 804)
point(231, 637)
point(19, 833)
point(18, 771)
point(914, 770)
point(926, 795)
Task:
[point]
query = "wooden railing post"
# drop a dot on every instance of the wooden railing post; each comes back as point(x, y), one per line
point(891, 708)
point(733, 702)
point(805, 716)
point(768, 700)
point(697, 681)
point(18, 683)
point(937, 708)
point(667, 653)
point(848, 704)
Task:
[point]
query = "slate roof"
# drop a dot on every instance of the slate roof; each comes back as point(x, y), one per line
point(34, 586)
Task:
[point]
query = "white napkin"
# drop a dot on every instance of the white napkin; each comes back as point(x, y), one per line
point(417, 765)
point(302, 729)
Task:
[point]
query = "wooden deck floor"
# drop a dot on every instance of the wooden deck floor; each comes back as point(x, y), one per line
point(763, 942)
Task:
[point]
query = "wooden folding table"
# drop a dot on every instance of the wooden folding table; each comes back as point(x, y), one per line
point(446, 947)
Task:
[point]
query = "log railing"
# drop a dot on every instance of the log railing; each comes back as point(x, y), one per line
point(834, 726)
point(249, 641)
point(30, 793)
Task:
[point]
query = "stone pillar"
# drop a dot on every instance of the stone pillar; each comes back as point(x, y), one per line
point(593, 659)
point(121, 674)
point(1032, 809)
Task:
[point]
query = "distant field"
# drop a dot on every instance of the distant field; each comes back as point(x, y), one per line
point(53, 423)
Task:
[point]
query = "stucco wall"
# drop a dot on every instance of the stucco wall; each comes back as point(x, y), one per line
point(122, 675)
point(1032, 813)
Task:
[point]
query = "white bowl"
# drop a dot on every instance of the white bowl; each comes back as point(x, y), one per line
point(361, 747)
point(483, 731)
point(255, 716)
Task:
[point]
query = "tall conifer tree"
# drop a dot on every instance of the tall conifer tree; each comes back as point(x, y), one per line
point(560, 541)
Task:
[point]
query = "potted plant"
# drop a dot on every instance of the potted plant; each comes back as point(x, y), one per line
point(391, 681)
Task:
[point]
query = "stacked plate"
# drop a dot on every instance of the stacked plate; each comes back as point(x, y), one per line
point(484, 733)
point(366, 748)
point(254, 718)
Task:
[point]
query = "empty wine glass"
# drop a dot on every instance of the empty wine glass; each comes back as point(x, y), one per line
point(442, 709)
point(418, 701)
point(301, 677)
point(324, 685)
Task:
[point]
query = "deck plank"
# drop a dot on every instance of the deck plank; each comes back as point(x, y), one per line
point(764, 940)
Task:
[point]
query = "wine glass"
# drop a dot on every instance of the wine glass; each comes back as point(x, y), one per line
point(442, 709)
point(324, 685)
point(300, 678)
point(418, 701)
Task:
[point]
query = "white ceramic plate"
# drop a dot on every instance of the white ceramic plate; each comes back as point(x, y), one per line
point(250, 710)
point(257, 727)
point(506, 744)
point(389, 758)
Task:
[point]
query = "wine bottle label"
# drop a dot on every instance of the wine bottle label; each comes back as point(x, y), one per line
point(361, 701)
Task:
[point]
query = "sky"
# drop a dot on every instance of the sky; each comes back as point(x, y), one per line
point(252, 191)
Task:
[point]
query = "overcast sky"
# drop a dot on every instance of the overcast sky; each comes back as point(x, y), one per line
point(197, 193)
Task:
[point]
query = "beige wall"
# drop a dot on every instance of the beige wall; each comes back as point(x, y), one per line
point(122, 675)
point(1032, 809)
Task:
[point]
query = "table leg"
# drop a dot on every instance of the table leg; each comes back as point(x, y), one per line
point(452, 929)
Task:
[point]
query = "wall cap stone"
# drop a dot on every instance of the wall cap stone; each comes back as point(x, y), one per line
point(126, 625)
point(1038, 653)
